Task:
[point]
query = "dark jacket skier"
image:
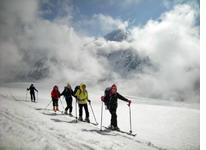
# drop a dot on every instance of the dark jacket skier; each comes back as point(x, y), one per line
point(110, 100)
point(32, 90)
point(68, 93)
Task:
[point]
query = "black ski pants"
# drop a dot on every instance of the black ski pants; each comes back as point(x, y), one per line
point(113, 116)
point(33, 98)
point(85, 108)
point(69, 104)
point(55, 102)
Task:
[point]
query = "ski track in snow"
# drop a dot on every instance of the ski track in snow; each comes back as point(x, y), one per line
point(26, 125)
point(28, 132)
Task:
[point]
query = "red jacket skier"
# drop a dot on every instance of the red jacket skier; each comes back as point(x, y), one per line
point(55, 94)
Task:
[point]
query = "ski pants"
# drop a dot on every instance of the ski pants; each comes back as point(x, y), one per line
point(85, 108)
point(69, 104)
point(33, 98)
point(55, 102)
point(113, 117)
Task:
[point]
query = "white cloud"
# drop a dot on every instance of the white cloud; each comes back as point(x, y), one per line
point(103, 23)
point(124, 3)
point(172, 43)
point(24, 42)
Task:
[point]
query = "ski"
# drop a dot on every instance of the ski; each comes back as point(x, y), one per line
point(95, 124)
point(121, 131)
point(77, 120)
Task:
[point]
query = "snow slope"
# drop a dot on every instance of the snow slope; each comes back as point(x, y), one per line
point(26, 125)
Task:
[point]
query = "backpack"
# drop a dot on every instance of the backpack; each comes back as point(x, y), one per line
point(107, 96)
point(76, 89)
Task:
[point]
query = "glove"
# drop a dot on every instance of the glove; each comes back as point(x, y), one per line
point(129, 102)
point(89, 101)
point(102, 98)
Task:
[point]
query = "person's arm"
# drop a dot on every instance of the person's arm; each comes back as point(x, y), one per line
point(35, 89)
point(122, 97)
point(59, 94)
point(52, 94)
point(63, 92)
point(77, 94)
point(28, 88)
point(88, 99)
point(72, 93)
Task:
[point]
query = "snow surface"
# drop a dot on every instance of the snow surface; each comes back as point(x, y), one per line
point(26, 125)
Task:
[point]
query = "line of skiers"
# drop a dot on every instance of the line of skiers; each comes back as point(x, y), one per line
point(80, 93)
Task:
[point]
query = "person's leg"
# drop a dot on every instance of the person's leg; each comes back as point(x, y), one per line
point(66, 109)
point(70, 105)
point(86, 110)
point(53, 102)
point(80, 111)
point(31, 96)
point(34, 98)
point(113, 117)
point(57, 106)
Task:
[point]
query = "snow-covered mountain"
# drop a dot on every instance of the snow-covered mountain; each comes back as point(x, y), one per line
point(38, 70)
point(126, 62)
point(122, 61)
point(117, 35)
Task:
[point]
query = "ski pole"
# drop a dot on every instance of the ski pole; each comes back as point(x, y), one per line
point(26, 94)
point(48, 105)
point(101, 117)
point(130, 120)
point(76, 110)
point(93, 112)
point(37, 98)
point(61, 103)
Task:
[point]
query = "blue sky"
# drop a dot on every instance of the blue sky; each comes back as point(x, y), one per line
point(84, 12)
point(139, 12)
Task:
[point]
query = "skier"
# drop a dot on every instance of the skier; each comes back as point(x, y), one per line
point(110, 100)
point(55, 94)
point(68, 93)
point(82, 98)
point(32, 90)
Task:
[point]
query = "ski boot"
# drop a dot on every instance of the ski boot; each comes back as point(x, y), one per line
point(87, 120)
point(54, 109)
point(80, 119)
point(70, 114)
point(111, 127)
point(116, 128)
point(65, 112)
point(57, 109)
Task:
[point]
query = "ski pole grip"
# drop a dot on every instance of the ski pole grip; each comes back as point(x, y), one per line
point(129, 103)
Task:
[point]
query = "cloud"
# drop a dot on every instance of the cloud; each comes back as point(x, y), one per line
point(101, 23)
point(26, 41)
point(173, 44)
point(30, 42)
point(125, 3)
